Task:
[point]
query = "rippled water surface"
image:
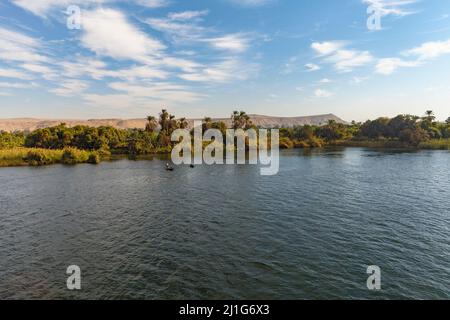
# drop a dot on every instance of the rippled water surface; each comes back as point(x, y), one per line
point(219, 232)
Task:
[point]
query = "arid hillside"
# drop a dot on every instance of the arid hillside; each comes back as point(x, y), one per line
point(30, 124)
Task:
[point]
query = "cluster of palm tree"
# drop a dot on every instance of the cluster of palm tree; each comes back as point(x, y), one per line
point(241, 120)
point(167, 125)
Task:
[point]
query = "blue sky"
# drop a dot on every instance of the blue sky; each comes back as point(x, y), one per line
point(208, 57)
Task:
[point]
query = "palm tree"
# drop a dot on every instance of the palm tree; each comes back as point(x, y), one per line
point(152, 124)
point(183, 123)
point(241, 120)
point(207, 124)
point(430, 115)
point(164, 120)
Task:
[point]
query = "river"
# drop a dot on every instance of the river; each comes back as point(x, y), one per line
point(138, 231)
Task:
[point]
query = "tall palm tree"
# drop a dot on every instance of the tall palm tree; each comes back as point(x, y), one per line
point(164, 120)
point(430, 115)
point(152, 124)
point(240, 120)
point(183, 123)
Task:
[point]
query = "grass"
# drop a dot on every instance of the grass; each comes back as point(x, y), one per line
point(373, 144)
point(436, 144)
point(39, 157)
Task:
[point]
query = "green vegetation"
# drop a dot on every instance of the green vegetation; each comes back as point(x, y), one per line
point(42, 157)
point(403, 131)
point(82, 144)
point(11, 140)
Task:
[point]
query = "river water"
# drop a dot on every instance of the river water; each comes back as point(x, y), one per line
point(138, 231)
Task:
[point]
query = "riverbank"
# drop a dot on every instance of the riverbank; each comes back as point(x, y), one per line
point(434, 144)
point(16, 157)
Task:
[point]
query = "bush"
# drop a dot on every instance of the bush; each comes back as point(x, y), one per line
point(286, 143)
point(74, 156)
point(301, 144)
point(94, 158)
point(39, 157)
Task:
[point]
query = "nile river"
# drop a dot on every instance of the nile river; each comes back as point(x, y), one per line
point(138, 231)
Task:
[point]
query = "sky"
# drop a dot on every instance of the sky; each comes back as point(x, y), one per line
point(358, 59)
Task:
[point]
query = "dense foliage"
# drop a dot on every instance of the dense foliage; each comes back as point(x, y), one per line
point(405, 130)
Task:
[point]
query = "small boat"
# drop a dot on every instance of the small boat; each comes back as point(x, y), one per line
point(192, 166)
point(168, 167)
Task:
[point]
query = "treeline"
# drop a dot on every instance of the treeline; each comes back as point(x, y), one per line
point(406, 130)
point(402, 130)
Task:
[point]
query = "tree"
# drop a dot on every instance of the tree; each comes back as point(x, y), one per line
point(151, 125)
point(240, 120)
point(183, 123)
point(207, 124)
point(375, 129)
point(413, 136)
point(430, 115)
point(448, 120)
point(333, 131)
point(168, 125)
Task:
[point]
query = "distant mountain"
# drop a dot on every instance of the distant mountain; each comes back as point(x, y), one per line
point(30, 124)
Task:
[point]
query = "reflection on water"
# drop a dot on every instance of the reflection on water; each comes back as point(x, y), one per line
point(139, 231)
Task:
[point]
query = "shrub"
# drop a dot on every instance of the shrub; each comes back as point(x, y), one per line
point(73, 156)
point(315, 142)
point(39, 157)
point(286, 143)
point(301, 144)
point(94, 158)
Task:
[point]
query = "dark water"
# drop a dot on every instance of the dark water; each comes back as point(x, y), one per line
point(138, 231)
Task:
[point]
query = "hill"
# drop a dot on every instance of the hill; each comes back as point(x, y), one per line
point(30, 124)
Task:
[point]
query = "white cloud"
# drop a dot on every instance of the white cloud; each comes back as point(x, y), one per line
point(145, 95)
point(392, 7)
point(114, 101)
point(70, 88)
point(312, 67)
point(97, 70)
point(344, 60)
point(13, 73)
point(185, 28)
point(187, 15)
point(179, 32)
point(320, 93)
point(180, 27)
point(107, 32)
point(157, 91)
point(426, 52)
point(325, 81)
point(327, 47)
point(15, 46)
point(43, 7)
point(46, 72)
point(224, 71)
point(430, 50)
point(358, 80)
point(14, 85)
point(232, 42)
point(390, 65)
point(153, 3)
point(252, 3)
